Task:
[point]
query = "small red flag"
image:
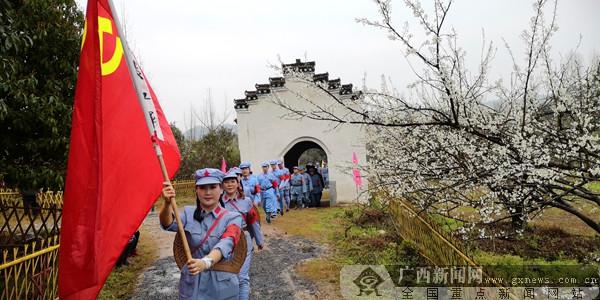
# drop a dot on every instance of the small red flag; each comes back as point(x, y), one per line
point(355, 172)
point(223, 165)
point(113, 174)
point(356, 177)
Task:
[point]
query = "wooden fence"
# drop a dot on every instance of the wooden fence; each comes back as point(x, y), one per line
point(431, 240)
point(29, 242)
point(185, 188)
point(22, 223)
point(30, 271)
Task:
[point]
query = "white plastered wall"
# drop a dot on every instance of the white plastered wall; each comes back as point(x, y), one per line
point(265, 133)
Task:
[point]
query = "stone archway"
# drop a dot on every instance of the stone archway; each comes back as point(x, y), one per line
point(296, 148)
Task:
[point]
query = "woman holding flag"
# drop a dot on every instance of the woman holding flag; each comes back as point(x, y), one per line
point(212, 233)
point(118, 132)
point(235, 200)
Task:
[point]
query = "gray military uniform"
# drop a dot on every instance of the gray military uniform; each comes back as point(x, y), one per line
point(208, 284)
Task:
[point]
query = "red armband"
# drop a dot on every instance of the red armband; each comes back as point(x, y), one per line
point(233, 231)
point(252, 216)
point(275, 184)
point(282, 177)
point(257, 188)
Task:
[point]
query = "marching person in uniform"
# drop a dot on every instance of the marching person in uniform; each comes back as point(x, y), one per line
point(296, 184)
point(212, 233)
point(269, 192)
point(235, 200)
point(318, 185)
point(284, 188)
point(250, 184)
point(276, 179)
point(307, 187)
point(238, 172)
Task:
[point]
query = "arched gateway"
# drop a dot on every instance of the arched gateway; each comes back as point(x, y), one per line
point(266, 130)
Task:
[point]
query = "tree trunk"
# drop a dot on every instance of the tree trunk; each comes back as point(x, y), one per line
point(518, 217)
point(587, 220)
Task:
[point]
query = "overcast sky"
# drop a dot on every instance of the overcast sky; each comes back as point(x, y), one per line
point(188, 47)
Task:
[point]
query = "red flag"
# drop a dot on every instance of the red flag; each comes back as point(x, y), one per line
point(355, 172)
point(113, 175)
point(223, 165)
point(357, 178)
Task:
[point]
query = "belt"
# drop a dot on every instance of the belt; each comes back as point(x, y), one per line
point(267, 188)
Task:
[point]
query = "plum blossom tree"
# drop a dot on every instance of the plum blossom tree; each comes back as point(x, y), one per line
point(507, 149)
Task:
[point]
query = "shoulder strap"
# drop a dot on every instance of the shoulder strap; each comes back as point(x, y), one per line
point(234, 206)
point(210, 230)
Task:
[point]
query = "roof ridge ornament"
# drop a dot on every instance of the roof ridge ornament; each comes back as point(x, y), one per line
point(322, 77)
point(263, 88)
point(298, 66)
point(251, 95)
point(277, 81)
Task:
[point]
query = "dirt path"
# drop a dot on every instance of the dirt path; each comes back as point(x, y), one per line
point(272, 274)
point(160, 280)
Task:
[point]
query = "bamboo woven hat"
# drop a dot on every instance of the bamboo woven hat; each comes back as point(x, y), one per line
point(232, 266)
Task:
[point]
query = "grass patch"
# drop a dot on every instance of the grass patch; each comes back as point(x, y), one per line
point(448, 225)
point(122, 281)
point(487, 258)
point(319, 225)
point(510, 267)
point(325, 274)
point(594, 186)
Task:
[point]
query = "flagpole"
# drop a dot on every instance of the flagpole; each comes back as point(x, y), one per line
point(131, 66)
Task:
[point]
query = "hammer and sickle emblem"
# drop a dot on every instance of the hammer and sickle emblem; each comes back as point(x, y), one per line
point(105, 26)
